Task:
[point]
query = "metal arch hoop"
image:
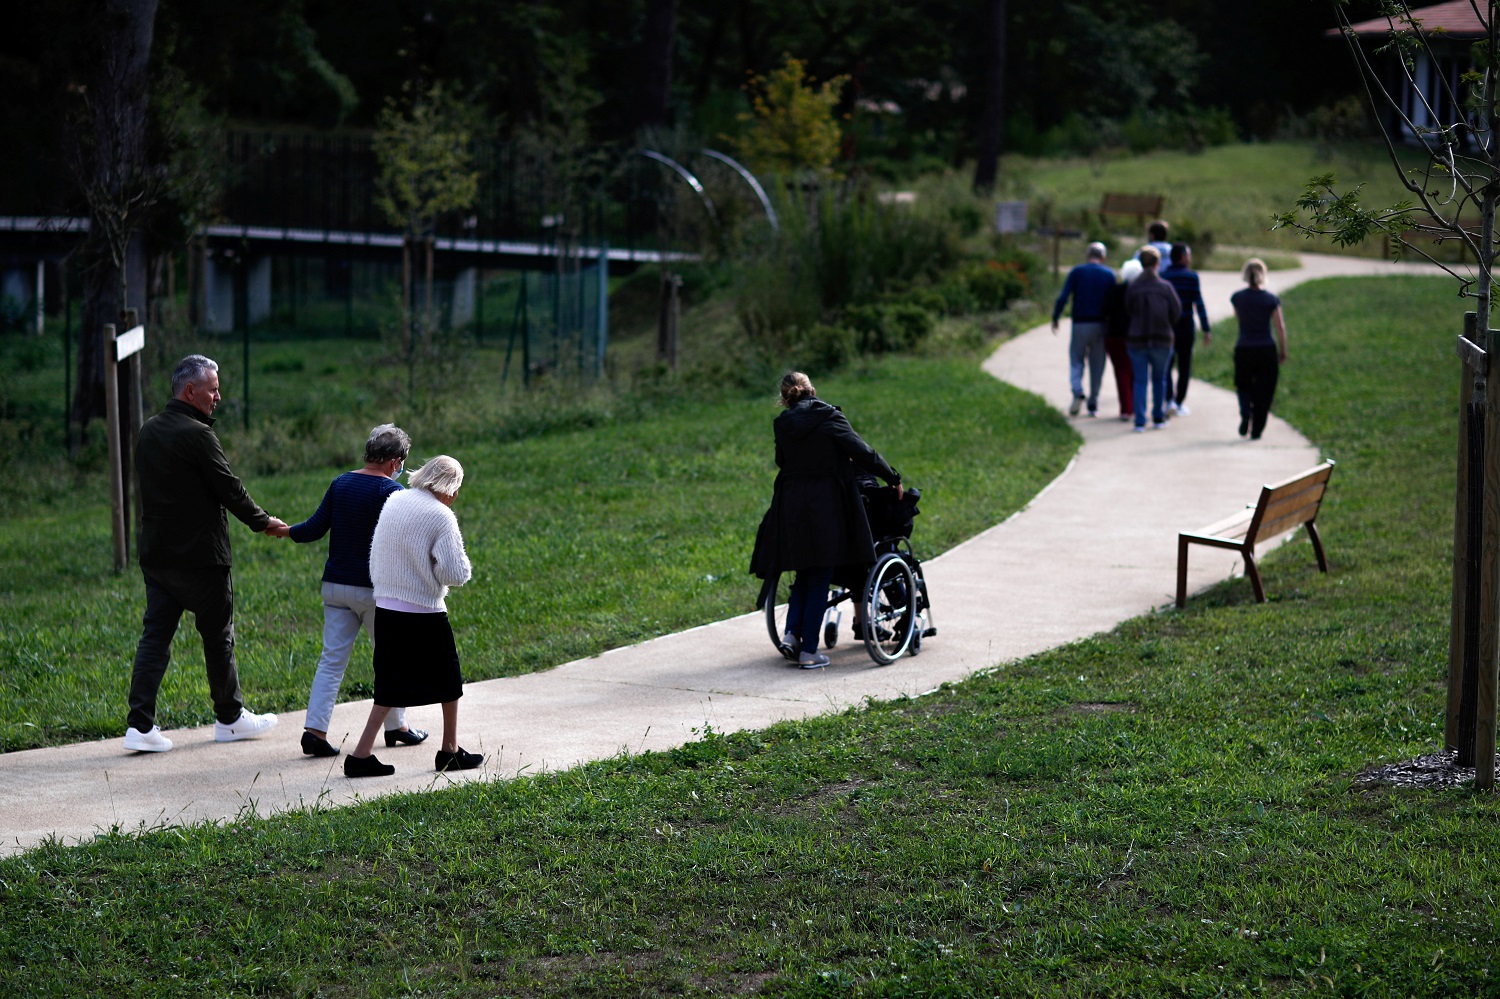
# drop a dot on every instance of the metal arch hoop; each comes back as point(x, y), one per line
point(686, 175)
point(760, 192)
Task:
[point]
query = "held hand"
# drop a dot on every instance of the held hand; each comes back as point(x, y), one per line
point(277, 528)
point(900, 492)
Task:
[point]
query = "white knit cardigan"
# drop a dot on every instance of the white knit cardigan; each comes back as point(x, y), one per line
point(417, 551)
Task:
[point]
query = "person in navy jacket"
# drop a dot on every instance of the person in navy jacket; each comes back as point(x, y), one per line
point(1088, 284)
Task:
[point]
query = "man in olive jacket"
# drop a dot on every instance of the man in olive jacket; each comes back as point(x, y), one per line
point(186, 487)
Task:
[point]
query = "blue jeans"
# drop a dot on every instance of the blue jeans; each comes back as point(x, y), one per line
point(806, 605)
point(346, 609)
point(1156, 360)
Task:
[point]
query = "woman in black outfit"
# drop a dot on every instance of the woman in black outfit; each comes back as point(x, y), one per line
point(1258, 355)
point(816, 522)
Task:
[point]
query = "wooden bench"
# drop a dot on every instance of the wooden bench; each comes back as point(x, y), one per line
point(1283, 507)
point(1142, 206)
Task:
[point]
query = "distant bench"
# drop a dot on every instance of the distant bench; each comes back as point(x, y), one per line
point(1142, 206)
point(1283, 507)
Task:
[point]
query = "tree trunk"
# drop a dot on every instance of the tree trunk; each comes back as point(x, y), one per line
point(118, 96)
point(658, 42)
point(993, 121)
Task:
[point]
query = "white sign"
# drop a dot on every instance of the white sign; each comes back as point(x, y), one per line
point(1010, 216)
point(130, 342)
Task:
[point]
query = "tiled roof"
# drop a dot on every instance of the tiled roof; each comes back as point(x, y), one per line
point(1457, 18)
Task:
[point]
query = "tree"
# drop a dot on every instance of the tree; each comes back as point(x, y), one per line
point(658, 45)
point(426, 171)
point(792, 126)
point(108, 155)
point(992, 120)
point(1453, 196)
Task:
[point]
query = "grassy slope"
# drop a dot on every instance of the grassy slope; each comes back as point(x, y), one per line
point(1231, 191)
point(582, 541)
point(1166, 809)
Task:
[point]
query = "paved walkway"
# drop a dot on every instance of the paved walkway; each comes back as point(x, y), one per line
point(1095, 548)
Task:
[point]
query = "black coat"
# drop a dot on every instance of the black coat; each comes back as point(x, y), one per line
point(817, 517)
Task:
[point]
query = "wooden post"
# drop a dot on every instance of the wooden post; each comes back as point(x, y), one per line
point(1489, 591)
point(112, 432)
point(1458, 619)
point(137, 414)
point(666, 323)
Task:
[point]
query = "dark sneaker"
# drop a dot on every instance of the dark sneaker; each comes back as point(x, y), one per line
point(456, 761)
point(314, 745)
point(366, 766)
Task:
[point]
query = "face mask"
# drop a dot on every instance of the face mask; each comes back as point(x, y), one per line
point(400, 467)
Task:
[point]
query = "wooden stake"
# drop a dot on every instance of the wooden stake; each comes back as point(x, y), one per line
point(112, 432)
point(1489, 590)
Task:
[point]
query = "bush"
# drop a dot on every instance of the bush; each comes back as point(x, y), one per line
point(995, 284)
point(885, 329)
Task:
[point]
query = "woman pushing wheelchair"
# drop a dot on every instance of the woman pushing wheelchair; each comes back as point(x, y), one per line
point(816, 523)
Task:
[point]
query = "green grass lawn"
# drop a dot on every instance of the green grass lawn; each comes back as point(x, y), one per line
point(1166, 809)
point(1230, 191)
point(582, 540)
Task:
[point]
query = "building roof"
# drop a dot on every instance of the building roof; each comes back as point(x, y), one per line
point(1456, 19)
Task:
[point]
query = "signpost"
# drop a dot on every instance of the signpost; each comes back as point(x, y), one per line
point(125, 349)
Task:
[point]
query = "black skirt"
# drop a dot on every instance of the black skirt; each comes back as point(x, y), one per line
point(416, 661)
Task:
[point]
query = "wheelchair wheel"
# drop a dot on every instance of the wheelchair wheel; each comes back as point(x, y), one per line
point(889, 613)
point(776, 614)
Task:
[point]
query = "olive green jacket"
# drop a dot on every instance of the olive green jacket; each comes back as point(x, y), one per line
point(186, 487)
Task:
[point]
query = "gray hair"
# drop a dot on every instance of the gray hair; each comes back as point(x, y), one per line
point(442, 475)
point(190, 371)
point(387, 441)
point(1097, 251)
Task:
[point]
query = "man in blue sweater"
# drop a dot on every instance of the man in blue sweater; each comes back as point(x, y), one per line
point(1184, 280)
point(1087, 284)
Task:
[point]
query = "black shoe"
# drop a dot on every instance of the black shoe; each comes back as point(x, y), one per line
point(1244, 425)
point(312, 745)
point(456, 761)
point(405, 736)
point(366, 766)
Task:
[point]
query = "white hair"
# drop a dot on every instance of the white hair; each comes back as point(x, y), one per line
point(1097, 251)
point(441, 475)
point(1130, 270)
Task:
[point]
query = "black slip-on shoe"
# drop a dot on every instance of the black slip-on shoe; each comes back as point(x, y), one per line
point(460, 760)
point(366, 766)
point(312, 745)
point(404, 736)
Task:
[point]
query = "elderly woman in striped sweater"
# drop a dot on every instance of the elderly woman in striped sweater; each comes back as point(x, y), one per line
point(416, 555)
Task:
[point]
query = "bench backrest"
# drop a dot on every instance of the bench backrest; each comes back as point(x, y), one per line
point(1131, 204)
point(1290, 503)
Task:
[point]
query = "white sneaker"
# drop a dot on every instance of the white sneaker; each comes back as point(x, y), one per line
point(153, 741)
point(247, 726)
point(812, 660)
point(1171, 409)
point(1182, 409)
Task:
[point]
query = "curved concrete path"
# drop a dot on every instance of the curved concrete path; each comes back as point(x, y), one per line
point(1095, 548)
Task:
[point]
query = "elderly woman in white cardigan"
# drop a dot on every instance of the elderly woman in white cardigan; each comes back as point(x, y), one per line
point(416, 554)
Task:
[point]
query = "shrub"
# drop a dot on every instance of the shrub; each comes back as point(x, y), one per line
point(884, 329)
point(995, 284)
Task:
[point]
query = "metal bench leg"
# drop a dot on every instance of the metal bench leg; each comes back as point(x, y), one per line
point(1182, 552)
point(1312, 532)
point(1254, 574)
